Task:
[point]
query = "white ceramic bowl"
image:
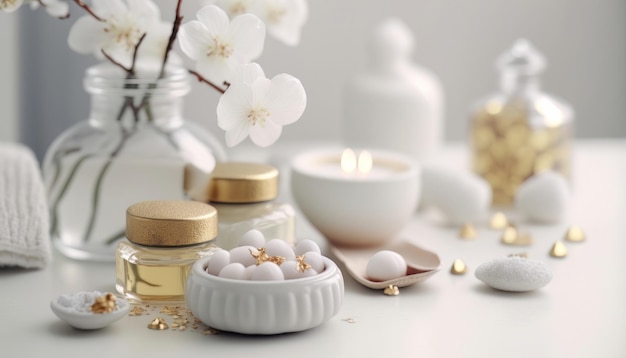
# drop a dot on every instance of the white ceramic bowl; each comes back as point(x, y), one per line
point(356, 210)
point(89, 320)
point(264, 307)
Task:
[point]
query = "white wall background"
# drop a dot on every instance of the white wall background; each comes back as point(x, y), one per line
point(9, 93)
point(584, 42)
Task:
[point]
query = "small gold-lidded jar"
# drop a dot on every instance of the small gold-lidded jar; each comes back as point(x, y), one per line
point(243, 194)
point(165, 238)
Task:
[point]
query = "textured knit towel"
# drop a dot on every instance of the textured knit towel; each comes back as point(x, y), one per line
point(24, 236)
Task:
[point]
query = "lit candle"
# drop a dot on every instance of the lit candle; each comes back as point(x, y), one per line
point(357, 200)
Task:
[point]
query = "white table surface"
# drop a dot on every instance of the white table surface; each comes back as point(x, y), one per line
point(581, 313)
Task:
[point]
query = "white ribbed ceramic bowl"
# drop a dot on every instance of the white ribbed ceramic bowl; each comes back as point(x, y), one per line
point(264, 307)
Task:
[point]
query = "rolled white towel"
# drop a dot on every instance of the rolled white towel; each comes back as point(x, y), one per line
point(24, 220)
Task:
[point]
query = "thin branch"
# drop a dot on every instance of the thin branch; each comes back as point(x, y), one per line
point(134, 61)
point(170, 43)
point(89, 10)
point(113, 61)
point(204, 80)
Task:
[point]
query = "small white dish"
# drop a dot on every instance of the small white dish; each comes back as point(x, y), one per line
point(421, 264)
point(85, 319)
point(264, 307)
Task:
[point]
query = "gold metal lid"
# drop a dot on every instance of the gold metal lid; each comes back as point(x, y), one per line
point(171, 223)
point(235, 183)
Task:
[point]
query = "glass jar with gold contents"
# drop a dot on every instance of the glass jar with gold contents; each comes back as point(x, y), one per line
point(244, 195)
point(521, 130)
point(165, 238)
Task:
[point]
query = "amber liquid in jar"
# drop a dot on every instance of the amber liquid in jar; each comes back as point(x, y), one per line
point(156, 274)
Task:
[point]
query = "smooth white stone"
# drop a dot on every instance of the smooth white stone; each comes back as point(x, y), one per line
point(543, 198)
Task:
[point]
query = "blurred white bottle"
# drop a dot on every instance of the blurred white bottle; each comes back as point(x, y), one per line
point(396, 105)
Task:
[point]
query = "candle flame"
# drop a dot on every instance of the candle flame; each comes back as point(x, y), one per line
point(348, 160)
point(365, 162)
point(350, 163)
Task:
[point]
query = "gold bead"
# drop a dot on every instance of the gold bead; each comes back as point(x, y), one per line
point(391, 290)
point(575, 234)
point(498, 221)
point(558, 250)
point(467, 231)
point(458, 267)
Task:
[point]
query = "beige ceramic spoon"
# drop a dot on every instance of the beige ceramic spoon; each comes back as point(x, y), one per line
point(421, 264)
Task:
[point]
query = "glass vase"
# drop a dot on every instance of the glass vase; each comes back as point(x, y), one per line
point(521, 130)
point(134, 146)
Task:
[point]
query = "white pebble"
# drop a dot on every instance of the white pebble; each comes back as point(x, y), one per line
point(514, 273)
point(234, 271)
point(277, 247)
point(460, 195)
point(315, 259)
point(290, 270)
point(543, 198)
point(242, 255)
point(385, 265)
point(247, 273)
point(267, 271)
point(217, 262)
point(253, 238)
point(306, 246)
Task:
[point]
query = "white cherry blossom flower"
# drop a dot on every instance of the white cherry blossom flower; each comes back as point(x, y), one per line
point(284, 18)
point(122, 26)
point(219, 45)
point(259, 107)
point(54, 8)
point(10, 5)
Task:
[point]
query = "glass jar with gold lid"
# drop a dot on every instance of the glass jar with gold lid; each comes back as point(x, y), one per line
point(521, 130)
point(165, 238)
point(244, 195)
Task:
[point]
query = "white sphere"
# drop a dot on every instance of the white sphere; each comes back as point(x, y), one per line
point(306, 246)
point(253, 238)
point(242, 255)
point(315, 260)
point(217, 262)
point(267, 271)
point(290, 270)
point(277, 247)
point(234, 271)
point(385, 265)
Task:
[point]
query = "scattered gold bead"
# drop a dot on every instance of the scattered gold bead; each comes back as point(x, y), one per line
point(498, 221)
point(158, 324)
point(558, 250)
point(391, 290)
point(350, 320)
point(136, 311)
point(467, 231)
point(509, 236)
point(210, 332)
point(458, 267)
point(575, 234)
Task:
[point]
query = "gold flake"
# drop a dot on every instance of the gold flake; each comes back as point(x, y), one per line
point(158, 324)
point(391, 290)
point(210, 332)
point(575, 234)
point(104, 304)
point(498, 221)
point(301, 264)
point(349, 320)
point(136, 311)
point(467, 231)
point(458, 267)
point(558, 250)
point(278, 260)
